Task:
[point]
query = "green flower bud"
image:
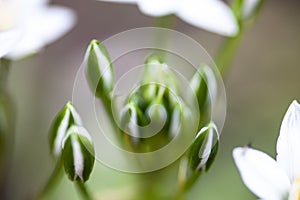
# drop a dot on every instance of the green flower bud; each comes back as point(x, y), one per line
point(78, 154)
point(204, 148)
point(158, 116)
point(157, 73)
point(130, 117)
point(204, 86)
point(67, 117)
point(99, 69)
point(176, 121)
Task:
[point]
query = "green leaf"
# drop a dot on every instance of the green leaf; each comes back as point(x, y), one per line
point(78, 154)
point(99, 70)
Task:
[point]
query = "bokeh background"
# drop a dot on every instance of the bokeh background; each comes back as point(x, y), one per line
point(260, 85)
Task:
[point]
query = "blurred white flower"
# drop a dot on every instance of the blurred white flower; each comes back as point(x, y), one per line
point(38, 23)
point(212, 15)
point(270, 179)
point(7, 40)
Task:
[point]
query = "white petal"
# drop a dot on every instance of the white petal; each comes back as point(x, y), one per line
point(157, 8)
point(121, 1)
point(7, 40)
point(41, 27)
point(288, 143)
point(261, 174)
point(212, 15)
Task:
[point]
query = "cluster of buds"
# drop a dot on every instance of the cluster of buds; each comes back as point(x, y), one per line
point(70, 142)
point(153, 114)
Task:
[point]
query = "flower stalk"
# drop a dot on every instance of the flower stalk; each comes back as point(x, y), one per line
point(4, 70)
point(7, 125)
point(52, 181)
point(83, 190)
point(246, 12)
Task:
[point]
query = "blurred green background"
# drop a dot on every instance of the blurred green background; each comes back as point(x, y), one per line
point(262, 82)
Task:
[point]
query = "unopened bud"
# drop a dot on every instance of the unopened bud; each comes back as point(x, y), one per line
point(78, 154)
point(67, 117)
point(204, 86)
point(99, 69)
point(204, 148)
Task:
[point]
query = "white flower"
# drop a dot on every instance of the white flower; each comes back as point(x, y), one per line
point(273, 179)
point(7, 40)
point(38, 23)
point(212, 15)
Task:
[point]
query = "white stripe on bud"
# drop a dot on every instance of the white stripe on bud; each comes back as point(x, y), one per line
point(61, 132)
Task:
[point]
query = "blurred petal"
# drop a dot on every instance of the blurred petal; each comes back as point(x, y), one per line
point(157, 8)
point(212, 15)
point(288, 143)
point(261, 174)
point(121, 1)
point(42, 27)
point(7, 40)
point(52, 22)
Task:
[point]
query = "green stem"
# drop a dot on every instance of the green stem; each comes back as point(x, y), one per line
point(186, 179)
point(7, 125)
point(186, 186)
point(52, 181)
point(231, 44)
point(108, 106)
point(4, 70)
point(167, 22)
point(227, 52)
point(81, 187)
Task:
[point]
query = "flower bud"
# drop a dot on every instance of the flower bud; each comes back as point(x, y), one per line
point(67, 117)
point(158, 73)
point(158, 116)
point(78, 154)
point(130, 118)
point(204, 86)
point(176, 121)
point(204, 148)
point(99, 69)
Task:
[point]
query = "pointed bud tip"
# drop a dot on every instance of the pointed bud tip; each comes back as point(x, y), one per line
point(295, 104)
